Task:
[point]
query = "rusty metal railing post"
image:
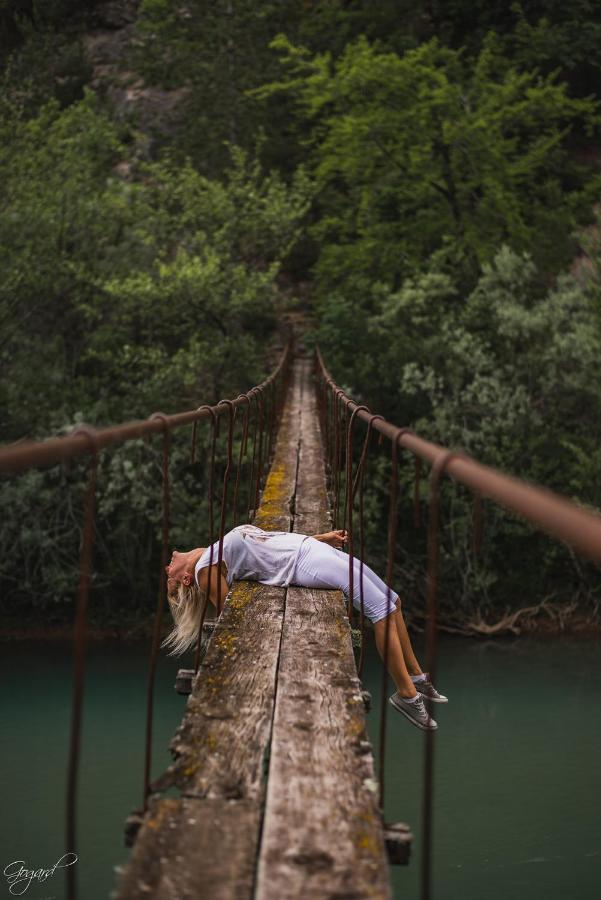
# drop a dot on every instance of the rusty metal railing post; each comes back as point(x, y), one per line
point(241, 456)
point(158, 621)
point(259, 479)
point(438, 470)
point(358, 484)
point(79, 651)
point(205, 603)
point(350, 497)
point(392, 530)
point(226, 477)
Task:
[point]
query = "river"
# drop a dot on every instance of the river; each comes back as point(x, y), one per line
point(517, 773)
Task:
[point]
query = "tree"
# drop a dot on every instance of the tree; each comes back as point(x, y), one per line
point(412, 152)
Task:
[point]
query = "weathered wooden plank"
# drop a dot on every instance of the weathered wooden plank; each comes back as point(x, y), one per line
point(220, 750)
point(205, 843)
point(277, 498)
point(322, 833)
point(195, 851)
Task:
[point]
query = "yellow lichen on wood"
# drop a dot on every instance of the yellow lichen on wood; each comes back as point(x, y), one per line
point(242, 594)
point(166, 807)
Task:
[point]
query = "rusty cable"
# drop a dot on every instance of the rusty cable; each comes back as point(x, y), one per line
point(438, 469)
point(350, 497)
point(241, 455)
point(549, 511)
point(158, 621)
point(359, 481)
point(22, 455)
point(205, 600)
point(226, 477)
point(259, 480)
point(392, 529)
point(251, 493)
point(79, 648)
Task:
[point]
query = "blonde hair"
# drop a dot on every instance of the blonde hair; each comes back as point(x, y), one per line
point(187, 604)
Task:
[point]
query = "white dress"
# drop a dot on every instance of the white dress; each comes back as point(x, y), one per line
point(250, 552)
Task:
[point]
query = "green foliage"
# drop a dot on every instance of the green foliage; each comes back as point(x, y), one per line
point(138, 268)
point(415, 151)
point(119, 296)
point(511, 374)
point(216, 53)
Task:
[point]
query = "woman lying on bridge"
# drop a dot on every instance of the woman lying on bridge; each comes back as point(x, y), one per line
point(313, 561)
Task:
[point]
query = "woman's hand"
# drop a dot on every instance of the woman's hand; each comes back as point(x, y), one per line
point(335, 539)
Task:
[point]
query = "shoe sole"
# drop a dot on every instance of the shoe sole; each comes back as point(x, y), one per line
point(434, 699)
point(411, 719)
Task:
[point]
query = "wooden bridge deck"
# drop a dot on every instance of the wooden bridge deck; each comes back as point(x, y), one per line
point(278, 795)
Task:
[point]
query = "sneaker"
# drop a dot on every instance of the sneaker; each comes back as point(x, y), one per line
point(427, 689)
point(414, 710)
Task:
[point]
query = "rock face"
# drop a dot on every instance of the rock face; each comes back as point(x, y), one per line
point(110, 48)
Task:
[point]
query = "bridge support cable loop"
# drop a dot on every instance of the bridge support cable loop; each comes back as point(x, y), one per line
point(350, 497)
point(338, 394)
point(251, 492)
point(392, 530)
point(358, 485)
point(439, 468)
point(261, 427)
point(241, 456)
point(336, 438)
point(158, 621)
point(343, 409)
point(343, 460)
point(332, 411)
point(205, 603)
point(226, 478)
point(329, 436)
point(79, 648)
point(272, 420)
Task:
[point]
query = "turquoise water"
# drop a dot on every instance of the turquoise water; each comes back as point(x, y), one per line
point(517, 771)
point(36, 709)
point(517, 781)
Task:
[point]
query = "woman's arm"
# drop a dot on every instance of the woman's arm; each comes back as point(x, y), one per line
point(335, 539)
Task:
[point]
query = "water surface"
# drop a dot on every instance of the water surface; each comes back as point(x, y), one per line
point(517, 771)
point(517, 774)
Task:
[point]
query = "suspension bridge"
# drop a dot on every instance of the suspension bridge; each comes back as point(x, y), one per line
point(279, 793)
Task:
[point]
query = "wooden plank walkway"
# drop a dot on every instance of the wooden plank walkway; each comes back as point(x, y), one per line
point(272, 759)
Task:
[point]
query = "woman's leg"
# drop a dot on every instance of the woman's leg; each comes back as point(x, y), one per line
point(410, 659)
point(411, 662)
point(395, 659)
point(321, 566)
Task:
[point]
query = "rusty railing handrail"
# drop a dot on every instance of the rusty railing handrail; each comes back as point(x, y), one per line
point(559, 516)
point(550, 511)
point(27, 454)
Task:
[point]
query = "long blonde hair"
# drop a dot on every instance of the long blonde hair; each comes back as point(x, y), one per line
point(187, 604)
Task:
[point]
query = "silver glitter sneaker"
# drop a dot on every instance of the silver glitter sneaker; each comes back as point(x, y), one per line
point(415, 711)
point(427, 689)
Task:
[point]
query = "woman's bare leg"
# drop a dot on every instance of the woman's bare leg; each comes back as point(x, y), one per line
point(395, 659)
point(411, 662)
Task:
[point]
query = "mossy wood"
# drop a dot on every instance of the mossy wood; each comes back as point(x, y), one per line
point(285, 814)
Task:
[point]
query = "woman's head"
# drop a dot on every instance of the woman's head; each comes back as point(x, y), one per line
point(182, 565)
point(186, 601)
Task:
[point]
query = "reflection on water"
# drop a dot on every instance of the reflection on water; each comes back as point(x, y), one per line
point(517, 780)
